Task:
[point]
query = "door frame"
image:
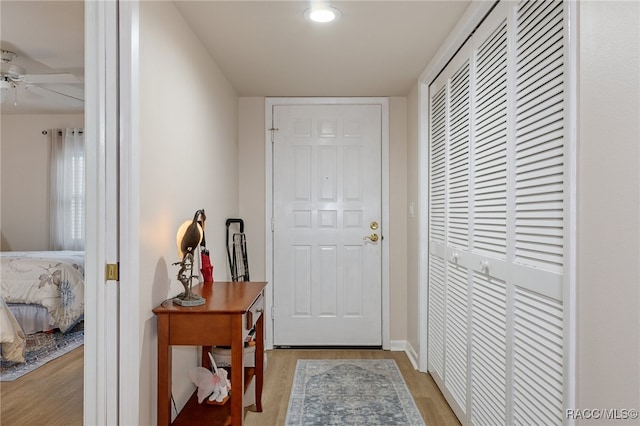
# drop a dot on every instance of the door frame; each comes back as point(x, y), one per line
point(111, 354)
point(101, 299)
point(268, 179)
point(129, 336)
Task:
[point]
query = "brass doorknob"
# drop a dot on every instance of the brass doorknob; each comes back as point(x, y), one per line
point(373, 237)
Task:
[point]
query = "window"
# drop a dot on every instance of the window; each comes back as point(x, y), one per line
point(77, 197)
point(67, 192)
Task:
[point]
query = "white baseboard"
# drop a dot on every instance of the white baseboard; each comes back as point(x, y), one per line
point(404, 346)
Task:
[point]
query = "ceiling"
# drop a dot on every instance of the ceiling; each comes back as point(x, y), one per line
point(267, 48)
point(48, 38)
point(264, 48)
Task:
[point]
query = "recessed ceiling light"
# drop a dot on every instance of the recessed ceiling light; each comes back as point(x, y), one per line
point(322, 14)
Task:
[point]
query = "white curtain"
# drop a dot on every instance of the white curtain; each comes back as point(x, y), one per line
point(67, 192)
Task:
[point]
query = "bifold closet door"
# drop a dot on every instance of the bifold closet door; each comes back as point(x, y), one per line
point(539, 167)
point(449, 257)
point(497, 167)
point(489, 221)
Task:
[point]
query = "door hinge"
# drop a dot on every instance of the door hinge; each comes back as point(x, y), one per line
point(273, 131)
point(112, 272)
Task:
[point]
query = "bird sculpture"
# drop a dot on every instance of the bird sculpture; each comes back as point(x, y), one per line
point(188, 239)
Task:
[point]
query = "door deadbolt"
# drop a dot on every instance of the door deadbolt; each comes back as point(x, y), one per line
point(374, 225)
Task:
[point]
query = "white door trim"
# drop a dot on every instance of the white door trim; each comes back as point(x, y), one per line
point(130, 342)
point(111, 379)
point(93, 255)
point(269, 104)
point(100, 357)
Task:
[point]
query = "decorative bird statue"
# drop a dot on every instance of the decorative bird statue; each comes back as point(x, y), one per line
point(188, 238)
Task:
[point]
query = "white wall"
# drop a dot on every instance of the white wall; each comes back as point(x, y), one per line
point(608, 280)
point(413, 230)
point(251, 140)
point(24, 176)
point(396, 235)
point(188, 161)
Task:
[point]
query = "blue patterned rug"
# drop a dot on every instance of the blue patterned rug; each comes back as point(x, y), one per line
point(42, 348)
point(350, 392)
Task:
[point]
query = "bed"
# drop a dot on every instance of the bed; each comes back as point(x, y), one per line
point(42, 290)
point(12, 337)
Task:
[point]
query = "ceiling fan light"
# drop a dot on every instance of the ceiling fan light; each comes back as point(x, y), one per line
point(15, 71)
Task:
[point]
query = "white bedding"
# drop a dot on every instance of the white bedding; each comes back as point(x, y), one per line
point(54, 280)
point(11, 335)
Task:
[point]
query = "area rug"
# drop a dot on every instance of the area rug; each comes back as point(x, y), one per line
point(42, 348)
point(350, 392)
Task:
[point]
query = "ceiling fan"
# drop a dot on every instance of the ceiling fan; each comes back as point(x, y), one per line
point(13, 75)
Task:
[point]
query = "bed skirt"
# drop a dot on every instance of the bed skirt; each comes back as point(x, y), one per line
point(32, 318)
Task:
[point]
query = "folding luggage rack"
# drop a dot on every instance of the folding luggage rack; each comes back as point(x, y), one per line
point(237, 252)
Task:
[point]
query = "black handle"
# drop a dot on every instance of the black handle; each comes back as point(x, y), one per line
point(240, 221)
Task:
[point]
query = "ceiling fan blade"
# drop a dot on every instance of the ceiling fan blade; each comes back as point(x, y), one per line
point(64, 78)
point(49, 93)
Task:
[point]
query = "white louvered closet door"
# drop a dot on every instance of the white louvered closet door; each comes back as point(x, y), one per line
point(496, 219)
point(490, 210)
point(449, 259)
point(539, 201)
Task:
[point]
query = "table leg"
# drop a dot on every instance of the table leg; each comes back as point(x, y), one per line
point(259, 361)
point(237, 371)
point(164, 372)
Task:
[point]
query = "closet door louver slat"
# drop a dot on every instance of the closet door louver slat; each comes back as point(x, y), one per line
point(458, 161)
point(539, 160)
point(488, 355)
point(436, 315)
point(538, 362)
point(455, 367)
point(490, 152)
point(437, 173)
point(437, 180)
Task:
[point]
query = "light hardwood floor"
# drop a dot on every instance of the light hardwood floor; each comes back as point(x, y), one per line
point(52, 394)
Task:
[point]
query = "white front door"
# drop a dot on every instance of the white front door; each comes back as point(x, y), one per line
point(327, 216)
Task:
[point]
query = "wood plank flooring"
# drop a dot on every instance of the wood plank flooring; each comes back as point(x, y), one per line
point(52, 394)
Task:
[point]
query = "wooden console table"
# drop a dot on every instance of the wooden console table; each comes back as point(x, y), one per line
point(230, 311)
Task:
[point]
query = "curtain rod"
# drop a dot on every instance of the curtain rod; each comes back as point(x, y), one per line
point(46, 132)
